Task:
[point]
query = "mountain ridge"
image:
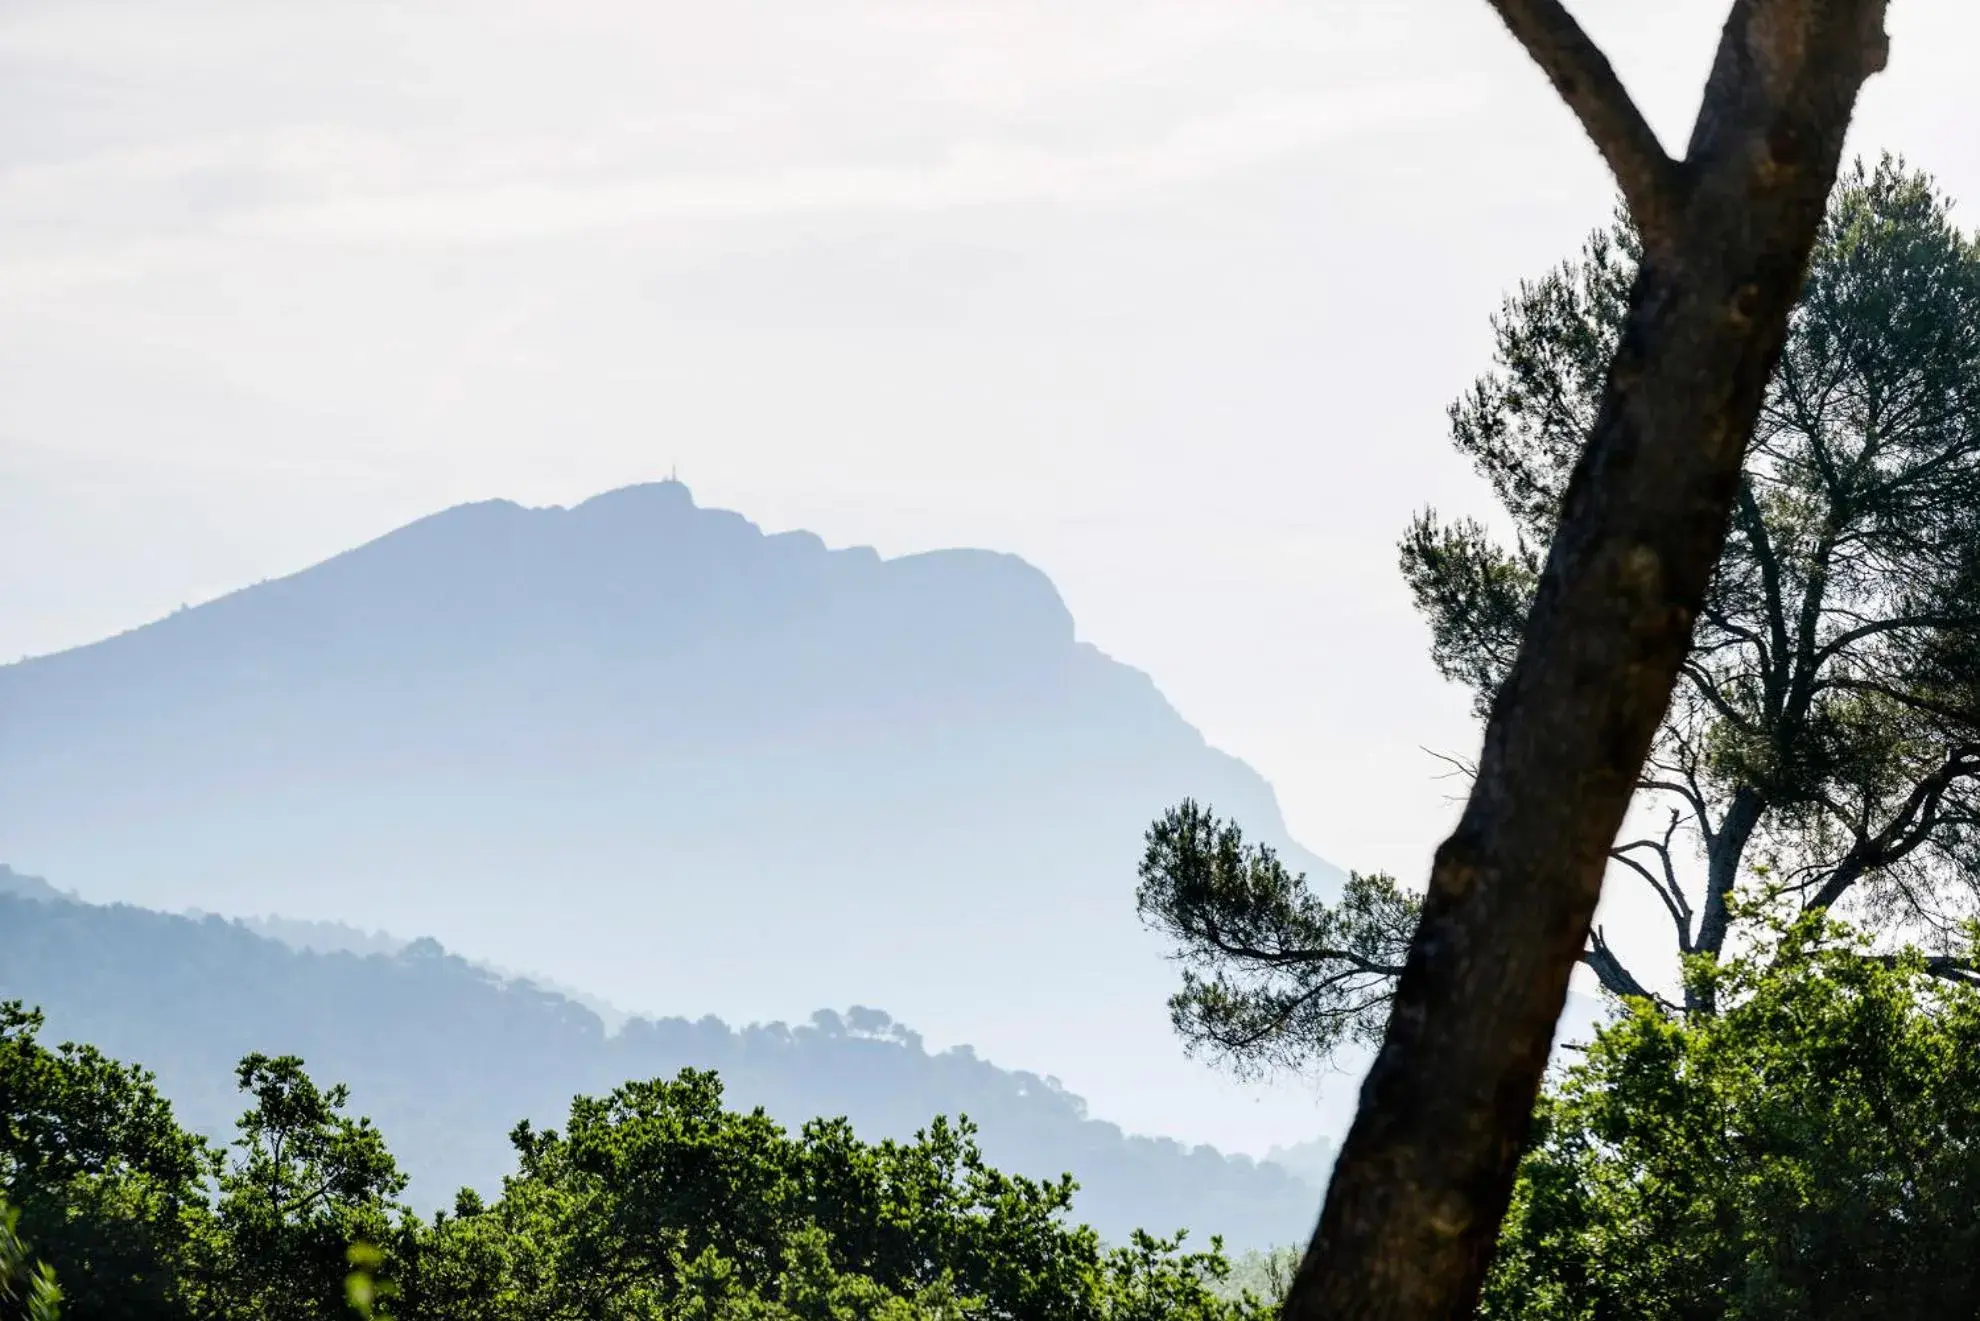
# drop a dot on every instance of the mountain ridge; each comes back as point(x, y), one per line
point(445, 1056)
point(647, 748)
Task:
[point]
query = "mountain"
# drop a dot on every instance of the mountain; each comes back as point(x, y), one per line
point(338, 938)
point(1312, 1160)
point(446, 1057)
point(643, 747)
point(29, 887)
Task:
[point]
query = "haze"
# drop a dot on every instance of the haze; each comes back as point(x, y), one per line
point(1167, 299)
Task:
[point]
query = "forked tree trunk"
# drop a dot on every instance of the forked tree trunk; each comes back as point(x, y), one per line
point(1424, 1177)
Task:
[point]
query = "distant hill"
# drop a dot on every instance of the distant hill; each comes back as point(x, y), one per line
point(317, 937)
point(447, 1057)
point(338, 938)
point(647, 749)
point(28, 887)
point(1312, 1161)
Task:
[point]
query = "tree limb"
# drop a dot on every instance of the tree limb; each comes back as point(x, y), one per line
point(1650, 180)
point(1616, 979)
point(1947, 967)
point(1422, 1183)
point(1292, 958)
point(1708, 688)
point(1237, 1045)
point(1693, 798)
point(1843, 641)
point(1957, 716)
point(1905, 831)
point(1762, 545)
point(1665, 886)
point(1964, 971)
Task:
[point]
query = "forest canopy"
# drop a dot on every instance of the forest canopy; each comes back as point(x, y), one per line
point(447, 1056)
point(653, 1200)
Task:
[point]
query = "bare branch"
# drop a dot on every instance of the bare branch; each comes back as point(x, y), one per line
point(1693, 796)
point(1575, 65)
point(1460, 769)
point(1666, 886)
point(1616, 979)
point(1459, 766)
point(1708, 689)
point(1736, 636)
point(1658, 770)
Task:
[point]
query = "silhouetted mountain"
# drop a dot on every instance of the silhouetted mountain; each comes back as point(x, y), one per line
point(645, 748)
point(446, 1057)
point(316, 937)
point(28, 887)
point(1312, 1161)
point(339, 938)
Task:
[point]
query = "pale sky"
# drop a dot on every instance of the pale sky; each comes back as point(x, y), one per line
point(1167, 298)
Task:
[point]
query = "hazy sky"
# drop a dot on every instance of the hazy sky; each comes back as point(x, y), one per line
point(1168, 298)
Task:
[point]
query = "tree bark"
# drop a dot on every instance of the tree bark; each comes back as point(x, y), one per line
point(1723, 860)
point(1423, 1180)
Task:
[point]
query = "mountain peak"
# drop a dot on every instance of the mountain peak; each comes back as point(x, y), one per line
point(644, 747)
point(670, 495)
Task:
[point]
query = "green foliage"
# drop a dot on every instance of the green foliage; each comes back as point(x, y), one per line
point(1271, 973)
point(655, 1200)
point(107, 1186)
point(1264, 1275)
point(306, 1184)
point(1812, 1151)
point(1827, 724)
point(1801, 1137)
point(1822, 749)
point(447, 1058)
point(27, 1287)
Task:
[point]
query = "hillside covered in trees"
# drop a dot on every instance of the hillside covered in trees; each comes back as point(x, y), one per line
point(446, 1057)
point(1813, 1150)
point(658, 1198)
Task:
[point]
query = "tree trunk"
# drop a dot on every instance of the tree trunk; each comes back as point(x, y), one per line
point(1721, 876)
point(1424, 1177)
